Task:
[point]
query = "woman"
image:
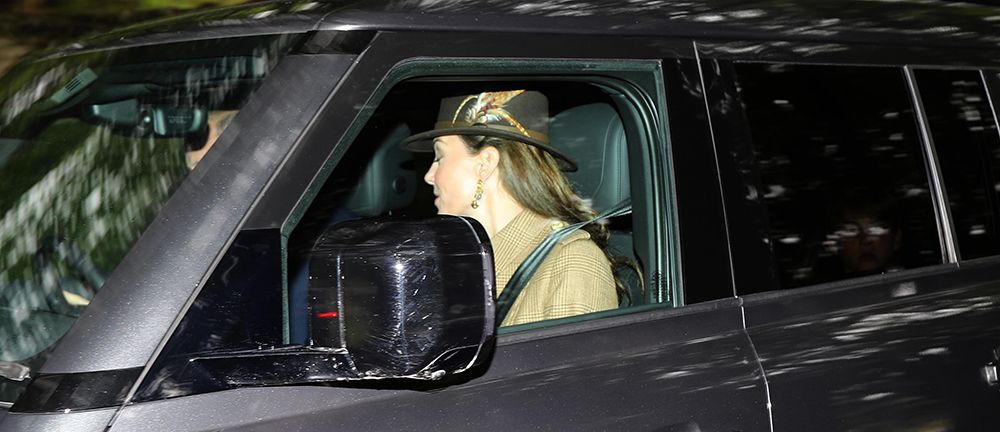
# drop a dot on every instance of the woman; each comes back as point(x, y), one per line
point(492, 162)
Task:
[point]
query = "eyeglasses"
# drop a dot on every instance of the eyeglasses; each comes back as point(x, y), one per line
point(854, 230)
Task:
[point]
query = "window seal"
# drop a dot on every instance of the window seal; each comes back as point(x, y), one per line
point(939, 196)
point(913, 274)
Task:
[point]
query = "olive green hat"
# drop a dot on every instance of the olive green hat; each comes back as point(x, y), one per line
point(518, 115)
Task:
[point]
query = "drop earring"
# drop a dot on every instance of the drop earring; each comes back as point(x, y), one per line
point(479, 194)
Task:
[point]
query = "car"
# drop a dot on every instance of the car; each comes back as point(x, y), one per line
point(209, 223)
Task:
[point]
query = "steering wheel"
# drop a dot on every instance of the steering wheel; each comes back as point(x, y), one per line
point(59, 263)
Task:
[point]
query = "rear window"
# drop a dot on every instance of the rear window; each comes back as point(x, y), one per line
point(964, 131)
point(91, 146)
point(842, 173)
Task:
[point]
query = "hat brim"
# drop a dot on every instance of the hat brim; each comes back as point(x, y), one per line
point(424, 142)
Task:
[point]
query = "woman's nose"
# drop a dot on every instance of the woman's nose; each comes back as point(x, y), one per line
point(429, 175)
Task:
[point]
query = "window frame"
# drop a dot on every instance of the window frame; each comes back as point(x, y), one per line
point(388, 50)
point(632, 85)
point(985, 80)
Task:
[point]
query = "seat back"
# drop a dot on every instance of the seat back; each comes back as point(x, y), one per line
point(594, 136)
point(390, 180)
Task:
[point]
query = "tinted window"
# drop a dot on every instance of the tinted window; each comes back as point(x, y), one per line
point(965, 138)
point(91, 146)
point(841, 171)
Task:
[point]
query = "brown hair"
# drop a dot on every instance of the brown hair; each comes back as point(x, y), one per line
point(533, 178)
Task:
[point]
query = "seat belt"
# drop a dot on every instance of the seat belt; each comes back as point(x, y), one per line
point(530, 264)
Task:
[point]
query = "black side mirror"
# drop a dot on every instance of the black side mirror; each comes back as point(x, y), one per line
point(404, 298)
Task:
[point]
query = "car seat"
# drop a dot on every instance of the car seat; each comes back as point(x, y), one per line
point(594, 136)
point(390, 180)
point(388, 183)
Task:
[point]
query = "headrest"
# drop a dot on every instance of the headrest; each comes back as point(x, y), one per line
point(389, 182)
point(594, 137)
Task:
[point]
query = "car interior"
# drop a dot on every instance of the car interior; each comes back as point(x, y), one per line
point(376, 177)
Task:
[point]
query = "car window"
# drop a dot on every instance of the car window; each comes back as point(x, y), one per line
point(259, 296)
point(91, 146)
point(964, 130)
point(841, 170)
point(379, 178)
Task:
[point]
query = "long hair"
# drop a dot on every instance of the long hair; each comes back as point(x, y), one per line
point(533, 178)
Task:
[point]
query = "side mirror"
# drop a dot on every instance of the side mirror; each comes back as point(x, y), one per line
point(404, 299)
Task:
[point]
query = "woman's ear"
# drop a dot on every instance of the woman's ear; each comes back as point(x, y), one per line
point(489, 160)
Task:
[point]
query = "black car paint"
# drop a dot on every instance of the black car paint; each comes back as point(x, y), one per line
point(680, 366)
point(883, 354)
point(696, 372)
point(854, 21)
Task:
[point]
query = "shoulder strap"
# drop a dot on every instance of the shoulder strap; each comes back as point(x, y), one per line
point(530, 264)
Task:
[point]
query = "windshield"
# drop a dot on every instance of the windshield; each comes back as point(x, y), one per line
point(91, 146)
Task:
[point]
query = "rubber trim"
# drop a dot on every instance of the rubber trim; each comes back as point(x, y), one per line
point(49, 393)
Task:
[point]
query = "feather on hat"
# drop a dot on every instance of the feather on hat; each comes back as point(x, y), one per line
point(517, 115)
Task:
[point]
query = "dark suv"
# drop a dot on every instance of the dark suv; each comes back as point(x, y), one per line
point(208, 223)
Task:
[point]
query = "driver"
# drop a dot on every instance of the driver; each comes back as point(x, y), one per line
point(217, 122)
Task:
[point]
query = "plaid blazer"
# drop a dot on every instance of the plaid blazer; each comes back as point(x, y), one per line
point(575, 278)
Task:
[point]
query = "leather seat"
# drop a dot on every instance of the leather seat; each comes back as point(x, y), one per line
point(594, 136)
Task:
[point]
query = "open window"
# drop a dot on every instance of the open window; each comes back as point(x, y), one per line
point(592, 121)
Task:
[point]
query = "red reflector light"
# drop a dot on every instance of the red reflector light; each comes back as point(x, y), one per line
point(326, 315)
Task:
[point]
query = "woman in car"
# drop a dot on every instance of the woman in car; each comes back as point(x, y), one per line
point(493, 162)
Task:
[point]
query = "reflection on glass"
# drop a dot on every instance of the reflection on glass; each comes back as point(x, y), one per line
point(966, 141)
point(91, 146)
point(841, 165)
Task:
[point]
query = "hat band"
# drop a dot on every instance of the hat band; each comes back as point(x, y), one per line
point(527, 132)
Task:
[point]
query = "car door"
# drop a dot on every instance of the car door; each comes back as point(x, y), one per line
point(858, 301)
point(656, 363)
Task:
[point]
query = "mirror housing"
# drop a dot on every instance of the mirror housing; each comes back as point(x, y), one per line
point(388, 299)
point(404, 299)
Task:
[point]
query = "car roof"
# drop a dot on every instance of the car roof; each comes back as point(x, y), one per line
point(918, 22)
